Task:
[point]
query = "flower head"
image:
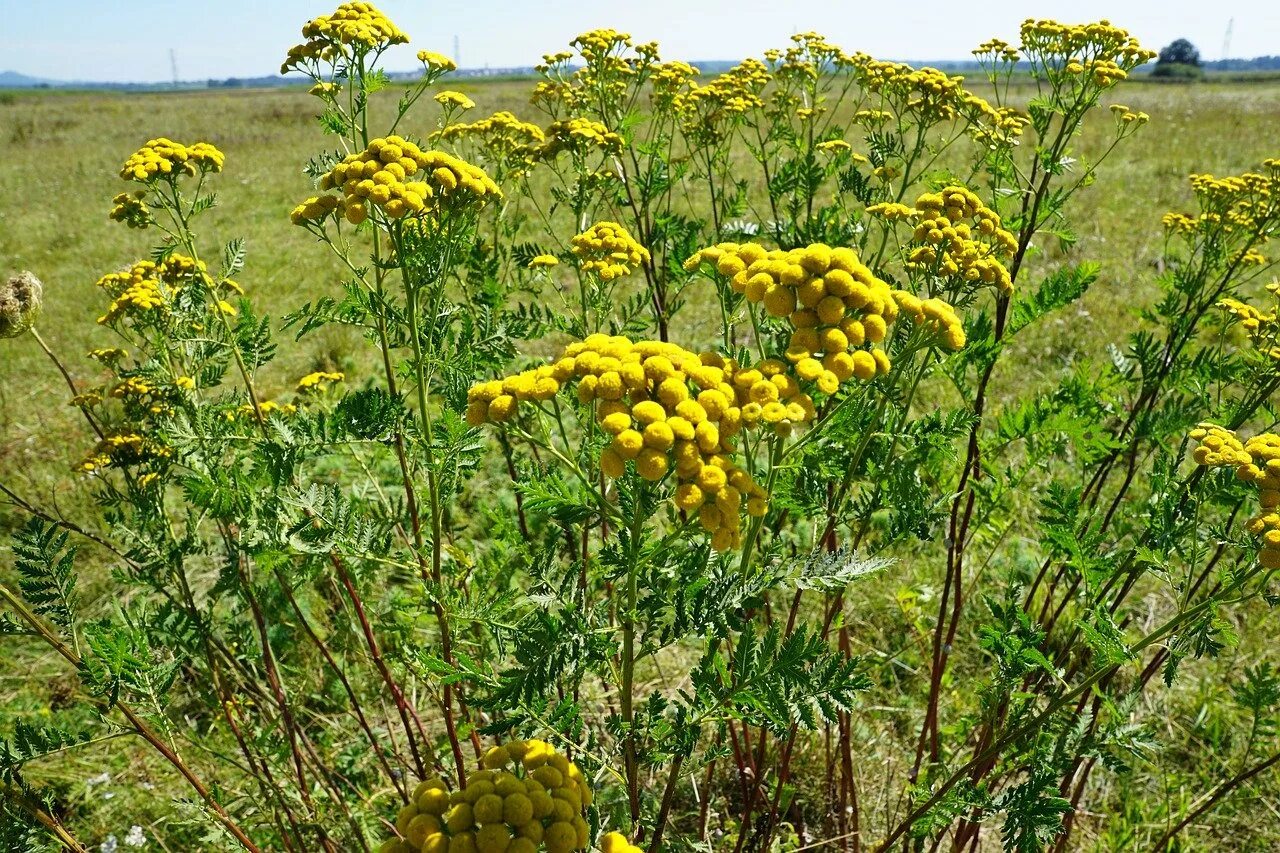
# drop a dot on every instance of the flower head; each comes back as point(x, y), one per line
point(450, 98)
point(21, 298)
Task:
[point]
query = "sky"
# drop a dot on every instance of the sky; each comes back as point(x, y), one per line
point(130, 40)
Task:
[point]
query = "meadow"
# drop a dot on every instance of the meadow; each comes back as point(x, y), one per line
point(1167, 751)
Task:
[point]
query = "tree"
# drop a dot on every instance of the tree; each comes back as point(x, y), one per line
point(1180, 60)
point(1179, 52)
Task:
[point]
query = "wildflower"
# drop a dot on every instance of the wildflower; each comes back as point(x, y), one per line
point(526, 797)
point(579, 136)
point(164, 158)
point(121, 449)
point(131, 209)
point(319, 381)
point(356, 26)
point(136, 837)
point(608, 251)
point(324, 89)
point(450, 98)
point(543, 262)
point(502, 139)
point(1256, 461)
point(21, 299)
point(399, 178)
point(109, 356)
point(265, 409)
point(436, 62)
point(956, 236)
point(148, 287)
point(669, 411)
point(834, 304)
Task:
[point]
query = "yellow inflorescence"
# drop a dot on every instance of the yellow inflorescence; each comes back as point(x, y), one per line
point(957, 235)
point(528, 798)
point(667, 409)
point(1256, 461)
point(146, 285)
point(1094, 46)
point(580, 136)
point(319, 381)
point(264, 410)
point(502, 139)
point(543, 262)
point(123, 448)
point(1246, 204)
point(834, 303)
point(450, 98)
point(359, 26)
point(161, 157)
point(385, 175)
point(935, 315)
point(607, 250)
point(131, 209)
point(436, 62)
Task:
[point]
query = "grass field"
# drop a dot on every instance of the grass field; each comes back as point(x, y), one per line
point(59, 154)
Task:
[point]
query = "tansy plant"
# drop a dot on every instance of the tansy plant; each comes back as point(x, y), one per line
point(656, 372)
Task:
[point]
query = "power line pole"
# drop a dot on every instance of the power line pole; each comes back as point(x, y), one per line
point(1226, 40)
point(457, 52)
point(173, 64)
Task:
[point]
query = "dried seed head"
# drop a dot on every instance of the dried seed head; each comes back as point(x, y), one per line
point(20, 300)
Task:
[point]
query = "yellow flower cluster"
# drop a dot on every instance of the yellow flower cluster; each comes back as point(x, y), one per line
point(527, 798)
point(1103, 72)
point(708, 113)
point(162, 157)
point(449, 99)
point(315, 208)
point(957, 235)
point(580, 136)
point(1262, 327)
point(666, 408)
point(319, 381)
point(265, 409)
point(436, 62)
point(1247, 204)
point(543, 262)
point(358, 25)
point(833, 301)
point(595, 45)
point(934, 315)
point(1124, 115)
point(108, 355)
point(121, 448)
point(996, 49)
point(502, 138)
point(927, 92)
point(809, 56)
point(1091, 46)
point(131, 209)
point(324, 89)
point(608, 251)
point(669, 80)
point(385, 175)
point(1256, 461)
point(147, 285)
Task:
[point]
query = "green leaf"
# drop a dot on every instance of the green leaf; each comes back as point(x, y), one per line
point(46, 571)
